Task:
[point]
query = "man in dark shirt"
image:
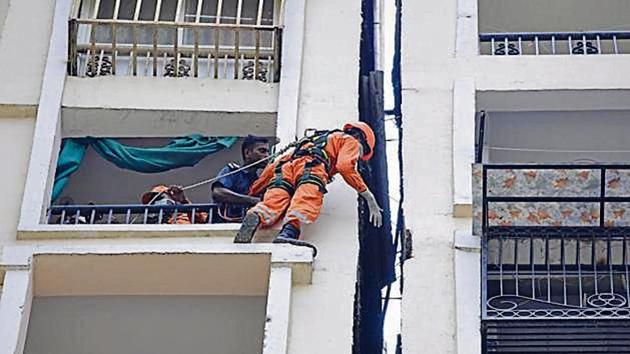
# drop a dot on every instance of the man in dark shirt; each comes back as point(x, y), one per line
point(230, 192)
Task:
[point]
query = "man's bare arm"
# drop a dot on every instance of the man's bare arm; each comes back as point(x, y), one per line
point(224, 195)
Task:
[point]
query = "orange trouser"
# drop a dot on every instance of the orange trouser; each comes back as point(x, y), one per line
point(305, 204)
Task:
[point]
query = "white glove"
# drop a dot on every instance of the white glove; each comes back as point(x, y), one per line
point(376, 217)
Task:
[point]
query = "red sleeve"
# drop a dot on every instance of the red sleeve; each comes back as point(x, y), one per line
point(347, 160)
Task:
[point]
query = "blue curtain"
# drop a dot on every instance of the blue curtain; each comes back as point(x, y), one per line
point(181, 152)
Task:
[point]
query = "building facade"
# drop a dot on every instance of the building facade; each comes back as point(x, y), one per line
point(516, 115)
point(143, 73)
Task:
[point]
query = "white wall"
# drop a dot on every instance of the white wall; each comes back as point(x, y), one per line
point(146, 325)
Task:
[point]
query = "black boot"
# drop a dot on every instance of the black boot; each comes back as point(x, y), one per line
point(248, 228)
point(290, 234)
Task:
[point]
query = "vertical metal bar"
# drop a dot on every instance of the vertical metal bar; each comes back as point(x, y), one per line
point(136, 13)
point(92, 46)
point(225, 66)
point(134, 49)
point(176, 53)
point(536, 45)
point(114, 51)
point(579, 267)
point(158, 10)
point(160, 215)
point(507, 45)
point(97, 5)
point(219, 11)
point(77, 215)
point(73, 56)
point(208, 65)
point(174, 216)
point(155, 50)
point(178, 12)
point(594, 263)
point(584, 43)
point(63, 216)
point(277, 54)
point(501, 263)
point(110, 214)
point(553, 44)
point(570, 46)
point(602, 196)
point(100, 62)
point(196, 51)
point(261, 5)
point(547, 263)
point(492, 43)
point(217, 37)
point(92, 216)
point(531, 263)
point(257, 54)
point(192, 216)
point(516, 264)
point(625, 264)
point(116, 9)
point(564, 268)
point(520, 45)
point(147, 61)
point(599, 45)
point(198, 13)
point(239, 11)
point(237, 35)
point(210, 215)
point(609, 260)
point(480, 138)
point(128, 216)
point(615, 46)
point(146, 216)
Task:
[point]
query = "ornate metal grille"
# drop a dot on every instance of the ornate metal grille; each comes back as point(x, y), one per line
point(556, 242)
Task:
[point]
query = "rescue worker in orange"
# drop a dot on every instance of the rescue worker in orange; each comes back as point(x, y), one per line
point(173, 195)
point(295, 184)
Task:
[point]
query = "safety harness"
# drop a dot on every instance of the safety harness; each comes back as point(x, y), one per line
point(312, 146)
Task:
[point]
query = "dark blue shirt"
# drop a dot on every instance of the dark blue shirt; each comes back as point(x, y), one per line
point(238, 183)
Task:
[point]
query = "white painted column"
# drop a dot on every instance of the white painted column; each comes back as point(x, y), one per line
point(468, 293)
point(467, 41)
point(291, 74)
point(48, 125)
point(15, 310)
point(464, 111)
point(278, 310)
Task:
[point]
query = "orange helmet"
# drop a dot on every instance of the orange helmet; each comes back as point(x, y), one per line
point(368, 133)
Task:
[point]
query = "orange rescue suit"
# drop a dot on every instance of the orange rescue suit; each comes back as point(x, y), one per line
point(343, 153)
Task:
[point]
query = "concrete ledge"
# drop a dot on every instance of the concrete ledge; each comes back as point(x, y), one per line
point(299, 259)
point(18, 111)
point(47, 232)
point(462, 210)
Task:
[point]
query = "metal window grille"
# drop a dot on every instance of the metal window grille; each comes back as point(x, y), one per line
point(555, 249)
point(218, 39)
point(554, 43)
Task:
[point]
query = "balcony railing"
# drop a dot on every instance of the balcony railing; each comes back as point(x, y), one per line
point(101, 47)
point(132, 214)
point(554, 43)
point(555, 241)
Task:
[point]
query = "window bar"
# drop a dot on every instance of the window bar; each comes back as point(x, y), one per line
point(609, 260)
point(615, 44)
point(158, 10)
point(261, 5)
point(210, 215)
point(578, 260)
point(63, 216)
point(599, 45)
point(492, 43)
point(547, 263)
point(97, 4)
point(219, 12)
point(520, 45)
point(516, 263)
point(553, 44)
point(160, 216)
point(579, 267)
point(175, 54)
point(164, 62)
point(136, 13)
point(570, 46)
point(500, 264)
point(225, 67)
point(92, 216)
point(217, 37)
point(73, 55)
point(116, 9)
point(93, 47)
point(536, 45)
point(531, 262)
point(564, 268)
point(110, 214)
point(178, 11)
point(507, 45)
point(146, 63)
point(174, 216)
point(134, 50)
point(237, 38)
point(198, 13)
point(257, 52)
point(196, 50)
point(114, 51)
point(242, 59)
point(277, 54)
point(584, 44)
point(100, 62)
point(594, 263)
point(271, 67)
point(48, 215)
point(192, 216)
point(74, 12)
point(76, 217)
point(87, 62)
point(155, 50)
point(208, 64)
point(128, 213)
point(145, 216)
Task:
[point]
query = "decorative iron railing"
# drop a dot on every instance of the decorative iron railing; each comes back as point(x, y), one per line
point(555, 43)
point(102, 47)
point(555, 241)
point(133, 214)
